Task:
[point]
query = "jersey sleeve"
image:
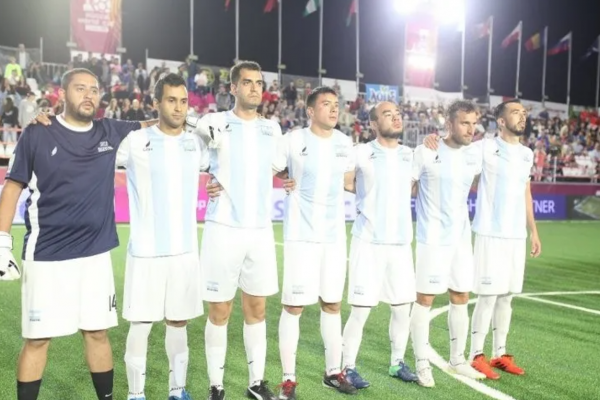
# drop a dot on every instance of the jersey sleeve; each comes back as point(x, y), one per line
point(204, 156)
point(418, 162)
point(281, 153)
point(20, 165)
point(202, 129)
point(121, 128)
point(123, 152)
point(476, 151)
point(352, 154)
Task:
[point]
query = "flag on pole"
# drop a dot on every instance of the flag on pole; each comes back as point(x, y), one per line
point(351, 12)
point(534, 42)
point(594, 48)
point(270, 5)
point(563, 45)
point(482, 30)
point(311, 7)
point(227, 2)
point(512, 37)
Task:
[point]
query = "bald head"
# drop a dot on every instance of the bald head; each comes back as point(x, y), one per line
point(386, 120)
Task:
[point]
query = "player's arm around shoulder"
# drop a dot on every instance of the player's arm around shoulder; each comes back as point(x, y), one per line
point(120, 128)
point(210, 128)
point(421, 155)
point(357, 155)
point(282, 153)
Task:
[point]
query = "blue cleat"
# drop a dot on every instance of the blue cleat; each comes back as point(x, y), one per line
point(403, 372)
point(184, 396)
point(354, 378)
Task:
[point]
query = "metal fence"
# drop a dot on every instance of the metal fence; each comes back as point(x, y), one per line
point(416, 131)
point(6, 52)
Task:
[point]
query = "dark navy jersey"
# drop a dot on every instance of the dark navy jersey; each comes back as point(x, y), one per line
point(70, 173)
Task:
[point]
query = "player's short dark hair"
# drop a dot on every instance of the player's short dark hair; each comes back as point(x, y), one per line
point(68, 76)
point(311, 99)
point(499, 110)
point(171, 79)
point(236, 70)
point(455, 106)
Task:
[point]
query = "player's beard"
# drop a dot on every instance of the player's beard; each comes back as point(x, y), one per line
point(77, 113)
point(515, 130)
point(391, 134)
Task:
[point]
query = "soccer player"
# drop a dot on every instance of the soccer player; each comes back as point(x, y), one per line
point(238, 245)
point(444, 251)
point(504, 212)
point(68, 286)
point(318, 158)
point(162, 274)
point(381, 261)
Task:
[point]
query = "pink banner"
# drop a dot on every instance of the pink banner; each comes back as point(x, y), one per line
point(420, 52)
point(96, 25)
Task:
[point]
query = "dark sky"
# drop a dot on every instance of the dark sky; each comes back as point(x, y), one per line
point(162, 26)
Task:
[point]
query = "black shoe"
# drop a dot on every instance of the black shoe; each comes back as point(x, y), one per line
point(287, 390)
point(216, 393)
point(260, 392)
point(339, 383)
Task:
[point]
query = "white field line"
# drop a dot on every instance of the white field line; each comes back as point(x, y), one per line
point(565, 305)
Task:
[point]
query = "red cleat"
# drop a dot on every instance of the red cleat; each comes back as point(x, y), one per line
point(481, 364)
point(507, 364)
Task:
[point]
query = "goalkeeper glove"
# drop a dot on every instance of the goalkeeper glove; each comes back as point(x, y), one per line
point(9, 270)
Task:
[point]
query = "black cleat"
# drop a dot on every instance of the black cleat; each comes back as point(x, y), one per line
point(339, 383)
point(260, 392)
point(216, 393)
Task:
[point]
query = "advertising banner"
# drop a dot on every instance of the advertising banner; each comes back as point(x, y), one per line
point(96, 25)
point(377, 93)
point(420, 52)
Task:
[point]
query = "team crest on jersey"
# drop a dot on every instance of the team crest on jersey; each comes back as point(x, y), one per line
point(104, 146)
point(527, 158)
point(189, 145)
point(266, 130)
point(471, 160)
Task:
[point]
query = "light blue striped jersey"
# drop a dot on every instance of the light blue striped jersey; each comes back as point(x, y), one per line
point(315, 210)
point(162, 184)
point(501, 200)
point(444, 180)
point(241, 156)
point(383, 193)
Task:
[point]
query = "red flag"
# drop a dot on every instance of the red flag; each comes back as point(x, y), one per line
point(353, 10)
point(483, 29)
point(227, 4)
point(270, 5)
point(512, 36)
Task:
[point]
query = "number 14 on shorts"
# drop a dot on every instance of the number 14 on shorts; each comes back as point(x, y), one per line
point(112, 302)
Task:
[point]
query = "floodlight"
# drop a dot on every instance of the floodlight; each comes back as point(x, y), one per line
point(449, 11)
point(408, 6)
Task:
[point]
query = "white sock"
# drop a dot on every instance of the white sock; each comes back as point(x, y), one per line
point(255, 343)
point(480, 324)
point(501, 324)
point(458, 328)
point(353, 332)
point(135, 358)
point(289, 334)
point(399, 331)
point(176, 345)
point(419, 331)
point(215, 343)
point(331, 332)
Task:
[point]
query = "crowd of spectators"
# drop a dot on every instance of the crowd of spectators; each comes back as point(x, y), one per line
point(567, 147)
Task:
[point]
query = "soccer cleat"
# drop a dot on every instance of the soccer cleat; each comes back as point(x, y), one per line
point(481, 364)
point(403, 372)
point(184, 396)
point(507, 364)
point(354, 378)
point(339, 383)
point(425, 377)
point(287, 390)
point(216, 393)
point(465, 369)
point(260, 392)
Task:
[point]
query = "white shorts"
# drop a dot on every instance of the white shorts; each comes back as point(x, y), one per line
point(380, 272)
point(499, 265)
point(237, 257)
point(60, 298)
point(440, 268)
point(158, 288)
point(312, 271)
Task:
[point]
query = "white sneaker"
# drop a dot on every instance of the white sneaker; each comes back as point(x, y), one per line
point(425, 377)
point(465, 369)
